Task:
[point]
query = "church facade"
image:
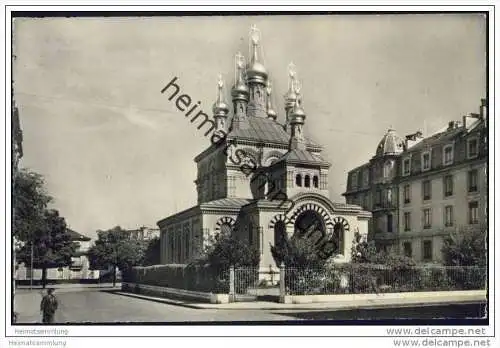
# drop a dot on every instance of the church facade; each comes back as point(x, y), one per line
point(261, 180)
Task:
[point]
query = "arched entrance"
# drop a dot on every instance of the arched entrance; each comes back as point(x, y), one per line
point(310, 225)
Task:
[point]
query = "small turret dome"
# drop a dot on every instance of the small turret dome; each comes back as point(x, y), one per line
point(391, 144)
point(240, 88)
point(220, 107)
point(256, 70)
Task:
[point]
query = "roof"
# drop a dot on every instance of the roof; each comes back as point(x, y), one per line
point(391, 144)
point(303, 156)
point(438, 138)
point(264, 130)
point(226, 202)
point(77, 236)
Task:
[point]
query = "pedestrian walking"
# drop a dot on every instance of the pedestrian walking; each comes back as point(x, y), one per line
point(48, 307)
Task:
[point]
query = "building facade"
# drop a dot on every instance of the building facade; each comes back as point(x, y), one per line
point(421, 189)
point(262, 180)
point(78, 270)
point(143, 233)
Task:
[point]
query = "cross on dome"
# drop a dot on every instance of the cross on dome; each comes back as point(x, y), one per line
point(220, 82)
point(240, 60)
point(269, 87)
point(291, 70)
point(255, 34)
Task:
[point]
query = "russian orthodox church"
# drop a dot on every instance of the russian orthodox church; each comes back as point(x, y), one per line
point(264, 181)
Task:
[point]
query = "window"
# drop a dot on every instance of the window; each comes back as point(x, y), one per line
point(307, 181)
point(427, 250)
point(366, 202)
point(407, 221)
point(448, 185)
point(366, 178)
point(388, 169)
point(298, 180)
point(427, 218)
point(406, 166)
point(354, 181)
point(389, 223)
point(472, 180)
point(406, 194)
point(407, 249)
point(315, 181)
point(378, 197)
point(473, 212)
point(448, 155)
point(426, 161)
point(426, 190)
point(448, 215)
point(472, 148)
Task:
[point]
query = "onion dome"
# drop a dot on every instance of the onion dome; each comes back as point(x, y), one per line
point(220, 108)
point(298, 115)
point(240, 89)
point(256, 72)
point(291, 96)
point(270, 111)
point(391, 144)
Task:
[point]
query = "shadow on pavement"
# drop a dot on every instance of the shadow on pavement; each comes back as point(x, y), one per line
point(458, 311)
point(169, 301)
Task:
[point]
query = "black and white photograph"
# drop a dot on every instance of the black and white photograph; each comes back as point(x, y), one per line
point(250, 172)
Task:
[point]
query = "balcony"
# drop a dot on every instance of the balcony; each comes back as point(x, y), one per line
point(384, 206)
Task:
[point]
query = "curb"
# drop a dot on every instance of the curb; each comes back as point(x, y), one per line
point(319, 306)
point(159, 300)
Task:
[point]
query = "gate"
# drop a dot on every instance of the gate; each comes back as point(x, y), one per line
point(254, 284)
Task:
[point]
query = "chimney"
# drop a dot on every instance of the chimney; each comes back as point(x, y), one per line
point(484, 109)
point(412, 139)
point(451, 125)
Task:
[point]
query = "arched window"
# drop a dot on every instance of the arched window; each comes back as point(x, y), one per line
point(298, 180)
point(279, 233)
point(307, 181)
point(315, 181)
point(338, 235)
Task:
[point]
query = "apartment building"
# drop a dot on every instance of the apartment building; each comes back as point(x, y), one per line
point(421, 189)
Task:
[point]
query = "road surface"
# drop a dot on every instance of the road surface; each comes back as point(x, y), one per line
point(98, 306)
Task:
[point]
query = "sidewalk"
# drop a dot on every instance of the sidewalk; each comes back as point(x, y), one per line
point(452, 297)
point(68, 287)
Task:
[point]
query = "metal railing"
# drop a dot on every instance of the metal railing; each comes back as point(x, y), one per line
point(360, 279)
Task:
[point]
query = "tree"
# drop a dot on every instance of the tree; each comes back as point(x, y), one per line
point(362, 251)
point(29, 202)
point(152, 253)
point(50, 244)
point(115, 249)
point(225, 251)
point(465, 247)
point(297, 252)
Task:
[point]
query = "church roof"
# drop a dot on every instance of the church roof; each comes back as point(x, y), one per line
point(225, 202)
point(303, 156)
point(264, 130)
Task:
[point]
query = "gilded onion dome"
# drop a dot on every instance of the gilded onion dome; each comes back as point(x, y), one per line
point(220, 107)
point(256, 71)
point(391, 144)
point(270, 110)
point(240, 88)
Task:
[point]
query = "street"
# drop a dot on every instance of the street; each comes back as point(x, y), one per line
point(103, 306)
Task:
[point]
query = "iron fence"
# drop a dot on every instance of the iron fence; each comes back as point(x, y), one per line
point(360, 279)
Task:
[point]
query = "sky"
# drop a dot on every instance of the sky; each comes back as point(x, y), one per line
point(115, 151)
